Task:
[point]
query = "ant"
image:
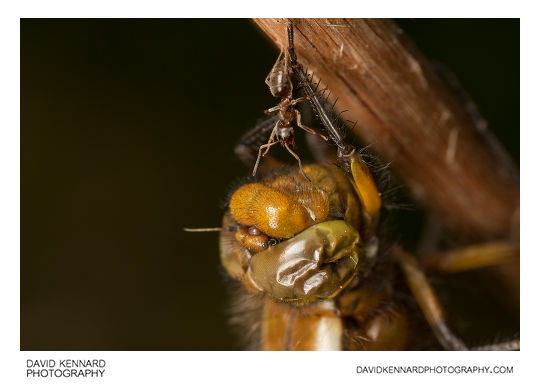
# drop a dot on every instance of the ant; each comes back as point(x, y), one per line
point(280, 83)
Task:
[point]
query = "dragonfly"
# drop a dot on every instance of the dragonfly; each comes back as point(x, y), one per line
point(307, 248)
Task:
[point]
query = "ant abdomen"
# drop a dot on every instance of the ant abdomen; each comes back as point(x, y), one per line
point(278, 79)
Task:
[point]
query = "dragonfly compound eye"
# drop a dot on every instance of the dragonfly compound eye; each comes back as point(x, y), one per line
point(277, 210)
point(314, 265)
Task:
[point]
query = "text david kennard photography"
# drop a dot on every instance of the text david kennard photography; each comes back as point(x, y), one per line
point(65, 368)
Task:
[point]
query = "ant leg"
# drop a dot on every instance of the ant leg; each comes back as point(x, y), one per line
point(259, 157)
point(427, 300)
point(270, 143)
point(306, 98)
point(271, 139)
point(471, 257)
point(299, 161)
point(306, 128)
point(247, 146)
point(270, 110)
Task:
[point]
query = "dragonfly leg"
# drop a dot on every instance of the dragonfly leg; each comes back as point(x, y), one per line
point(511, 345)
point(427, 300)
point(471, 257)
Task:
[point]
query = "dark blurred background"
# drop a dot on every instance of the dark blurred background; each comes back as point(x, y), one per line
point(127, 136)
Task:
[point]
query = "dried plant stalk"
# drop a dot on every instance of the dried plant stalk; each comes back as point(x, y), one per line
point(450, 162)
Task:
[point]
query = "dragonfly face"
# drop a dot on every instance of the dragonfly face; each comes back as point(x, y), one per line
point(314, 227)
point(306, 250)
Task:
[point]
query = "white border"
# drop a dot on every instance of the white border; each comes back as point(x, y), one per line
point(163, 367)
